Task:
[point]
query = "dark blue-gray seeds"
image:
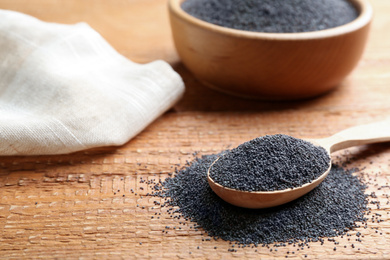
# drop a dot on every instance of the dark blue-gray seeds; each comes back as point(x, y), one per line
point(271, 162)
point(337, 205)
point(276, 16)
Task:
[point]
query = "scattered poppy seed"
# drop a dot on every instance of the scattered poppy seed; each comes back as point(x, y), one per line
point(336, 206)
point(271, 162)
point(273, 15)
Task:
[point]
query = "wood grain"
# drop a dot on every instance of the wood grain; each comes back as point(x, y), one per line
point(81, 205)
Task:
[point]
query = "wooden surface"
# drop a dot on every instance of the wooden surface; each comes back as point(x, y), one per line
point(80, 205)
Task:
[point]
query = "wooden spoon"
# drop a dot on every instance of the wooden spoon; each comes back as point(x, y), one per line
point(358, 135)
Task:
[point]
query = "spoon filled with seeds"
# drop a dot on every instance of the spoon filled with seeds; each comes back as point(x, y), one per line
point(275, 169)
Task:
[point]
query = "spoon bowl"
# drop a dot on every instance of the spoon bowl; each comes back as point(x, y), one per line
point(358, 135)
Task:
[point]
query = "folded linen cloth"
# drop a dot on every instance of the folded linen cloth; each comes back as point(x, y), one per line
point(63, 88)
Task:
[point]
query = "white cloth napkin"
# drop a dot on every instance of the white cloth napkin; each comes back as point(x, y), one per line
point(63, 88)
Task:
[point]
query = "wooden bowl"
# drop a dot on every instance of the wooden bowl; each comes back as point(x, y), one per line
point(269, 65)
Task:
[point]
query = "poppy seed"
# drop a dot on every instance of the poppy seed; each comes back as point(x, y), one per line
point(275, 16)
point(331, 209)
point(272, 162)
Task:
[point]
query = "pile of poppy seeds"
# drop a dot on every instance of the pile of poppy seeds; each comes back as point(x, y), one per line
point(335, 208)
point(275, 16)
point(332, 209)
point(272, 162)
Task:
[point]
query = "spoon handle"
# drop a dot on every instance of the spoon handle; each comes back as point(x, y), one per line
point(358, 135)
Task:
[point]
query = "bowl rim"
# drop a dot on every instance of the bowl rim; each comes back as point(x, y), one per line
point(363, 6)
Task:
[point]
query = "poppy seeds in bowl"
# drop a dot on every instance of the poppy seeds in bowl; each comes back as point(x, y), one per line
point(273, 16)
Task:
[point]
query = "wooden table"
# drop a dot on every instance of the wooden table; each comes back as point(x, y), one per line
point(80, 205)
